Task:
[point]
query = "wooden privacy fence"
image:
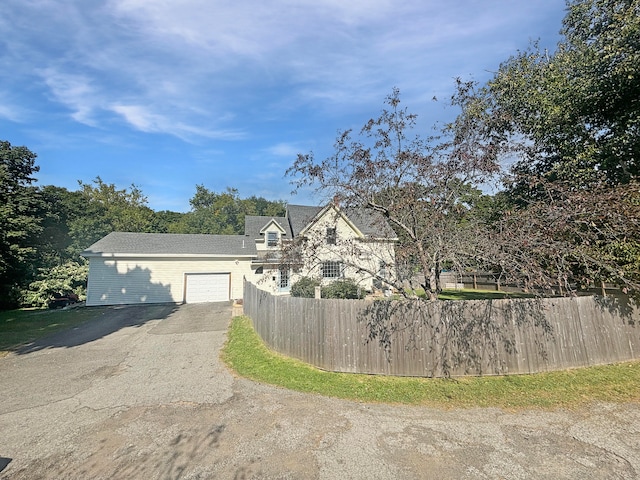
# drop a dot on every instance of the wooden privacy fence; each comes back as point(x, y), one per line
point(447, 338)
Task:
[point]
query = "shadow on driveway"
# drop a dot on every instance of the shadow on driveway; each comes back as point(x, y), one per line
point(107, 320)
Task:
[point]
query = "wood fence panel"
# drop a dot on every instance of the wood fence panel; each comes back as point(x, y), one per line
point(447, 338)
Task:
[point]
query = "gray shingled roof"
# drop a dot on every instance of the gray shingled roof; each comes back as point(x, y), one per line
point(171, 244)
point(300, 215)
point(253, 224)
point(371, 224)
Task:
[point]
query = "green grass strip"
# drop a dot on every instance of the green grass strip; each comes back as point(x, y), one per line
point(246, 354)
point(466, 294)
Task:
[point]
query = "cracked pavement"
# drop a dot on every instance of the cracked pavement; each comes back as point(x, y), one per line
point(140, 392)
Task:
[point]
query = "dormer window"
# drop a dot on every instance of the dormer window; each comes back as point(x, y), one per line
point(272, 239)
point(331, 236)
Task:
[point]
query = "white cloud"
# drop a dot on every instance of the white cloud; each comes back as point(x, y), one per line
point(143, 119)
point(10, 111)
point(280, 75)
point(198, 62)
point(283, 150)
point(74, 91)
point(139, 117)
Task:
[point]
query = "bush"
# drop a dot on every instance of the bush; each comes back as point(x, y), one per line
point(343, 289)
point(305, 287)
point(70, 277)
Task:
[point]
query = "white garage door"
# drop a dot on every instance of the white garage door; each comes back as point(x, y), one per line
point(207, 287)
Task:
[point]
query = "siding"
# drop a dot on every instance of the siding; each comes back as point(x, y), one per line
point(120, 281)
point(350, 248)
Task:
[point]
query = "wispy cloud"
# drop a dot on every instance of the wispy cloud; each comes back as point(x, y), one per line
point(143, 119)
point(11, 111)
point(74, 91)
point(140, 118)
point(283, 150)
point(251, 79)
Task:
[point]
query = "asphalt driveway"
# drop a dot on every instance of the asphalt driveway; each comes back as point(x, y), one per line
point(141, 393)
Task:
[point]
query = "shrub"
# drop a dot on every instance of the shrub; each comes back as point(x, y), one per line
point(70, 277)
point(305, 287)
point(343, 289)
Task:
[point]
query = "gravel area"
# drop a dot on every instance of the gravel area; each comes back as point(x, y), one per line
point(140, 392)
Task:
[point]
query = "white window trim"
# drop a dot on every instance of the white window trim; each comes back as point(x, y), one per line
point(269, 236)
point(334, 267)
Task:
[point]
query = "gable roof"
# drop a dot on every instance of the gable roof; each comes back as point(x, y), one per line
point(369, 223)
point(335, 212)
point(300, 216)
point(171, 244)
point(255, 225)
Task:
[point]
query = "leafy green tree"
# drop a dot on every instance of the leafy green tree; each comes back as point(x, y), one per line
point(166, 221)
point(108, 209)
point(216, 213)
point(223, 213)
point(263, 207)
point(61, 208)
point(572, 121)
point(576, 112)
point(20, 222)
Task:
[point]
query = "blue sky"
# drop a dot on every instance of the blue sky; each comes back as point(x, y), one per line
point(167, 94)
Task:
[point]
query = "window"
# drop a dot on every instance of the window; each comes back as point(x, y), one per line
point(284, 278)
point(382, 271)
point(331, 236)
point(331, 269)
point(272, 239)
point(382, 275)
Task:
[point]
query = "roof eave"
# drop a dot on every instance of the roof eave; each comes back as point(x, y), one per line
point(167, 255)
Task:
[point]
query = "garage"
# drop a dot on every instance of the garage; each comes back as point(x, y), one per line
point(207, 287)
point(129, 268)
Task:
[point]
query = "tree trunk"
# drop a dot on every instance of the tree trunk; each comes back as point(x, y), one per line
point(434, 282)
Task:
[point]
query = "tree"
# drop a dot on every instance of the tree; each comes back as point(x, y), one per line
point(572, 119)
point(20, 222)
point(108, 209)
point(576, 112)
point(61, 208)
point(166, 221)
point(223, 213)
point(424, 188)
point(573, 238)
point(216, 213)
point(65, 278)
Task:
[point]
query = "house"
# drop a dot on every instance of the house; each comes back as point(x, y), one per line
point(127, 268)
point(325, 242)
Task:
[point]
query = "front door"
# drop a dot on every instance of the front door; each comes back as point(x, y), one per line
point(284, 284)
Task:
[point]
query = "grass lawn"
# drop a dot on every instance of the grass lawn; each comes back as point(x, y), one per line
point(470, 294)
point(466, 294)
point(249, 357)
point(20, 327)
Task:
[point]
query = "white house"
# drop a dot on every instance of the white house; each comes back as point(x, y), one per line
point(328, 242)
